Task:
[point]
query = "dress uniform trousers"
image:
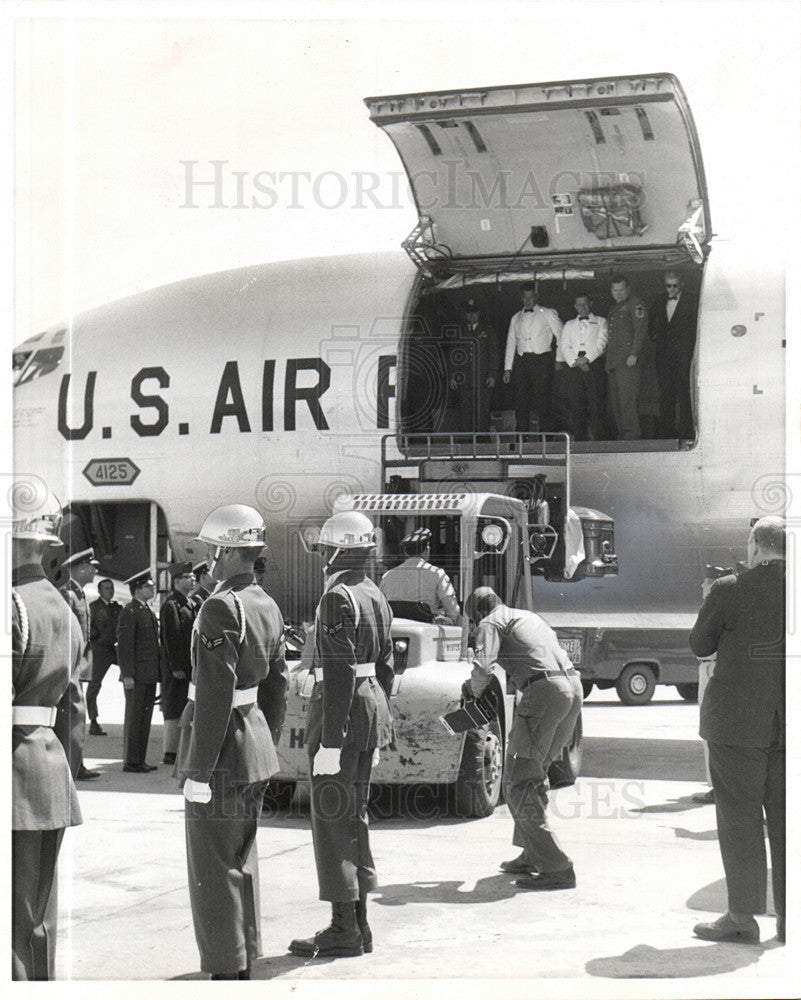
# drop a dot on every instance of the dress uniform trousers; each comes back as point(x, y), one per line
point(34, 856)
point(139, 702)
point(748, 780)
point(102, 658)
point(223, 867)
point(542, 727)
point(623, 387)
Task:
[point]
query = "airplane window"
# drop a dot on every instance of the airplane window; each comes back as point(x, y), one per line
point(42, 363)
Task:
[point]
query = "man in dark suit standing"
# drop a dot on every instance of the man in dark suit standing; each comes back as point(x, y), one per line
point(104, 614)
point(48, 728)
point(177, 618)
point(743, 720)
point(82, 567)
point(674, 318)
point(229, 729)
point(349, 720)
point(140, 670)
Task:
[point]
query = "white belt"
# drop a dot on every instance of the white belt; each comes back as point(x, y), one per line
point(33, 715)
point(242, 696)
point(362, 670)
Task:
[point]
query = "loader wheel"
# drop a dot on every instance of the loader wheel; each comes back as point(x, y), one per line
point(478, 787)
point(636, 684)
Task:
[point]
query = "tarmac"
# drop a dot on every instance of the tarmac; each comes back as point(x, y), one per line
point(646, 858)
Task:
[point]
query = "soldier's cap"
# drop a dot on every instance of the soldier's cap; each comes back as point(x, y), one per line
point(418, 535)
point(200, 568)
point(179, 569)
point(140, 579)
point(85, 555)
point(471, 306)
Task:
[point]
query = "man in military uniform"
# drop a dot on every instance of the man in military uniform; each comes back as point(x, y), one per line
point(743, 719)
point(204, 584)
point(628, 328)
point(528, 363)
point(104, 613)
point(176, 620)
point(140, 670)
point(472, 370)
point(228, 734)
point(349, 720)
point(528, 650)
point(81, 567)
point(415, 581)
point(48, 728)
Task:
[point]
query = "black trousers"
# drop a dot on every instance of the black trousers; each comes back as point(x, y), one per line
point(532, 376)
point(675, 404)
point(345, 866)
point(586, 406)
point(34, 903)
point(223, 867)
point(101, 661)
point(139, 703)
point(750, 781)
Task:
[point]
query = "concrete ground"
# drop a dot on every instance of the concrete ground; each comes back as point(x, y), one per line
point(646, 858)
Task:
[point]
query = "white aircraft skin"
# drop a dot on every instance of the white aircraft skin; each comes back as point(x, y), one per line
point(262, 385)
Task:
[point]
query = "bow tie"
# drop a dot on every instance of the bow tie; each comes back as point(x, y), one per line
point(528, 310)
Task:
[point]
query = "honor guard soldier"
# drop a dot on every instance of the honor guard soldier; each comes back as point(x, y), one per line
point(349, 720)
point(81, 567)
point(415, 589)
point(140, 670)
point(228, 734)
point(176, 621)
point(628, 328)
point(473, 366)
point(529, 358)
point(528, 650)
point(104, 613)
point(48, 727)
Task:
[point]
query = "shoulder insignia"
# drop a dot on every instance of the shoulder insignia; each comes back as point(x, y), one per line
point(211, 643)
point(639, 311)
point(333, 629)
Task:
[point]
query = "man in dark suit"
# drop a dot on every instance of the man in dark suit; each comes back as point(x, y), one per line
point(674, 319)
point(140, 670)
point(743, 720)
point(473, 367)
point(82, 567)
point(48, 729)
point(228, 734)
point(104, 614)
point(349, 720)
point(177, 618)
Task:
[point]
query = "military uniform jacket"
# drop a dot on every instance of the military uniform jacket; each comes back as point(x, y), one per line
point(138, 649)
point(76, 599)
point(177, 618)
point(45, 673)
point(346, 710)
point(237, 742)
point(474, 357)
point(103, 628)
point(743, 621)
point(628, 328)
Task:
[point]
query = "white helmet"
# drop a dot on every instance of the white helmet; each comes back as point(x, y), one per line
point(234, 526)
point(349, 529)
point(36, 518)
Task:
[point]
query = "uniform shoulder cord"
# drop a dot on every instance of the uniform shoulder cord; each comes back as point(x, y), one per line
point(25, 627)
point(241, 613)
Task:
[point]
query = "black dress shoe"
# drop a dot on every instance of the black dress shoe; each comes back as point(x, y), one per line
point(168, 758)
point(725, 929)
point(86, 774)
point(152, 767)
point(706, 798)
point(136, 768)
point(548, 881)
point(518, 866)
point(95, 729)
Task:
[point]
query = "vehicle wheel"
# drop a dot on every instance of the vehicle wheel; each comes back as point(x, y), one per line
point(635, 685)
point(278, 796)
point(564, 771)
point(586, 687)
point(478, 787)
point(689, 692)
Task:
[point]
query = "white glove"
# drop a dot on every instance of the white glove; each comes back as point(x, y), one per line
point(326, 760)
point(376, 757)
point(197, 791)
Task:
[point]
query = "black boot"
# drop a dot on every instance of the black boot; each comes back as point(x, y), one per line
point(223, 975)
point(361, 920)
point(342, 939)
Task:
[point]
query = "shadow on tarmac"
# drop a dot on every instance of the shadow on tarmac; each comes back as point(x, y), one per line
point(671, 806)
point(664, 760)
point(713, 898)
point(682, 834)
point(268, 967)
point(490, 889)
point(645, 962)
point(648, 704)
